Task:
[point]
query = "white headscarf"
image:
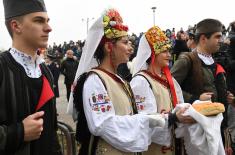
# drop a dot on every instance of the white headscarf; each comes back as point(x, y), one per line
point(143, 53)
point(87, 60)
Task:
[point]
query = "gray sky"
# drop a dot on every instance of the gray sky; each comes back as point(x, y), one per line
point(67, 24)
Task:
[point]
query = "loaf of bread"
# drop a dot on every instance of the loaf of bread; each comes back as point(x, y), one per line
point(208, 108)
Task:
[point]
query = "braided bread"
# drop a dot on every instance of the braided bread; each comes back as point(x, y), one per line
point(208, 108)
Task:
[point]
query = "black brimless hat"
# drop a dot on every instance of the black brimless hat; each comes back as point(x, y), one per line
point(14, 8)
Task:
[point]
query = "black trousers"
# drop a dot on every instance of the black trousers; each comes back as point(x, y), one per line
point(68, 88)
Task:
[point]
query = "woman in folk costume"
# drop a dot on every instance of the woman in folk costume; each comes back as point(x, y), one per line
point(105, 104)
point(156, 91)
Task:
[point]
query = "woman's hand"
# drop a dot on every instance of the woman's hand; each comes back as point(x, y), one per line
point(184, 119)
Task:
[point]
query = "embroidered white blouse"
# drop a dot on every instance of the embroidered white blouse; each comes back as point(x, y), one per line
point(141, 88)
point(30, 66)
point(126, 133)
point(148, 105)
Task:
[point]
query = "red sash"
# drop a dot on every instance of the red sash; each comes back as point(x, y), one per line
point(46, 93)
point(171, 84)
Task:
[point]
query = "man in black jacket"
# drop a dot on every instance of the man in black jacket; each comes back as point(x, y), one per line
point(68, 69)
point(28, 120)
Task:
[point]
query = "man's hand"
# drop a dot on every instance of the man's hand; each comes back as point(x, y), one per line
point(33, 126)
point(206, 96)
point(231, 98)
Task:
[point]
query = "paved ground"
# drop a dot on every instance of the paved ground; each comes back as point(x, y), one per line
point(62, 104)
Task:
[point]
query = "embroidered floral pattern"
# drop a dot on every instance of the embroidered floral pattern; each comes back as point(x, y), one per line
point(139, 102)
point(30, 66)
point(100, 103)
point(205, 55)
point(207, 59)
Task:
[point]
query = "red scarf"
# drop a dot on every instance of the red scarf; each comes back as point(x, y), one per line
point(46, 93)
point(219, 69)
point(171, 84)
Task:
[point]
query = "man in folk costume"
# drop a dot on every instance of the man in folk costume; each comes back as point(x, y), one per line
point(108, 123)
point(28, 120)
point(197, 73)
point(160, 92)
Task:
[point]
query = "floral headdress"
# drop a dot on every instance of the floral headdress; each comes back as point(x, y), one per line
point(113, 25)
point(157, 40)
point(153, 42)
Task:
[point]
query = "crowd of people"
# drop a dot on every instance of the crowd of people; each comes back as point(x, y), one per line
point(128, 94)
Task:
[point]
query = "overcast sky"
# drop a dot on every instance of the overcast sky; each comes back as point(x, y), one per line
point(67, 24)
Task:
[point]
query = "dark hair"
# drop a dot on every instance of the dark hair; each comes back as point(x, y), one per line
point(8, 23)
point(207, 35)
point(209, 26)
point(148, 60)
point(99, 52)
point(178, 35)
point(232, 26)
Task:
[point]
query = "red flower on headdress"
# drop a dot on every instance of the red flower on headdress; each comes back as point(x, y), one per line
point(113, 24)
point(114, 15)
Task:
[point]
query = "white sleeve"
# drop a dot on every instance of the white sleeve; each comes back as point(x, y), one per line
point(126, 133)
point(144, 97)
point(141, 89)
point(178, 92)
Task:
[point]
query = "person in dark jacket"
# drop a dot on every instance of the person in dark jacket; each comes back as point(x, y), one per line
point(54, 67)
point(28, 120)
point(68, 69)
point(180, 44)
point(230, 82)
point(231, 64)
point(199, 76)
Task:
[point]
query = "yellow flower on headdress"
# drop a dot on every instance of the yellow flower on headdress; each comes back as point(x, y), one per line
point(113, 25)
point(157, 40)
point(105, 20)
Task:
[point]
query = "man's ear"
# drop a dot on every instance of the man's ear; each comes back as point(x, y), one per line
point(15, 26)
point(203, 38)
